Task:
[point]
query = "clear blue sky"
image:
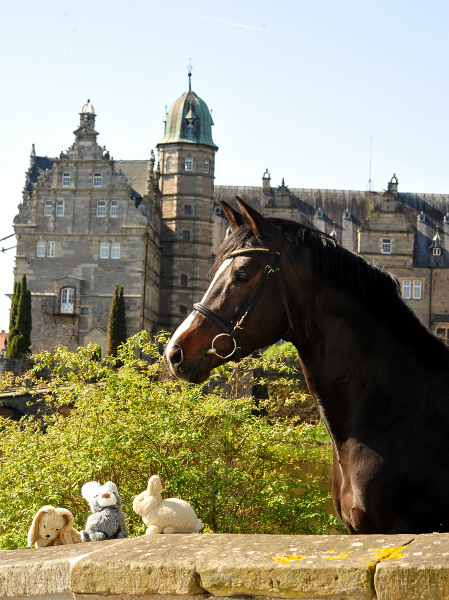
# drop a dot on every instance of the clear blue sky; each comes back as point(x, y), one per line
point(297, 86)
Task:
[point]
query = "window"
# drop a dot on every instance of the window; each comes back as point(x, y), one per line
point(84, 311)
point(406, 289)
point(183, 309)
point(436, 251)
point(443, 333)
point(206, 166)
point(169, 163)
point(96, 182)
point(101, 208)
point(188, 165)
point(386, 246)
point(67, 303)
point(186, 235)
point(66, 180)
point(187, 209)
point(114, 208)
point(104, 250)
point(50, 249)
point(47, 208)
point(60, 208)
point(217, 210)
point(115, 250)
point(40, 249)
point(417, 290)
point(184, 279)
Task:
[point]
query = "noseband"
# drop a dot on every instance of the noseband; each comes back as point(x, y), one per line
point(231, 330)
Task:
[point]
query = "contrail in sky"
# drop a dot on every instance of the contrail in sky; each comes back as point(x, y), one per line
point(220, 21)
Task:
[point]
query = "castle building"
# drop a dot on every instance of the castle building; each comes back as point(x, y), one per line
point(87, 222)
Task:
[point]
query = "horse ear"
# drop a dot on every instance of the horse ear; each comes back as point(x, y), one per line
point(255, 221)
point(234, 217)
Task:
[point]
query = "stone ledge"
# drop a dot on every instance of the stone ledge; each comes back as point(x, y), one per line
point(196, 566)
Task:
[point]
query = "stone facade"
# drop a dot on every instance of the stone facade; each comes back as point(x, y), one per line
point(87, 222)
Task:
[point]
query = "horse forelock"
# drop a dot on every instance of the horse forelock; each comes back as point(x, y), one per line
point(377, 289)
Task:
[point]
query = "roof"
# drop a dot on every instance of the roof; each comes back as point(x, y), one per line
point(136, 172)
point(41, 163)
point(189, 108)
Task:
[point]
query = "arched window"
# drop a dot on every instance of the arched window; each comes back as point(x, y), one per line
point(67, 300)
point(169, 163)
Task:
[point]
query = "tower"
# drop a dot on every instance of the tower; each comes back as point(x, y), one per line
point(187, 164)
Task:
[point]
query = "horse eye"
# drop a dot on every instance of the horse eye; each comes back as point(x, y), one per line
point(242, 277)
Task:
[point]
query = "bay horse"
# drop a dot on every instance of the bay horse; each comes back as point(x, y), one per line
point(380, 380)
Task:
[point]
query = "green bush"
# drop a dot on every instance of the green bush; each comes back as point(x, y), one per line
point(241, 472)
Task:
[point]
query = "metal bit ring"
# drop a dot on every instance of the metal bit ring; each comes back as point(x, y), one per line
point(213, 350)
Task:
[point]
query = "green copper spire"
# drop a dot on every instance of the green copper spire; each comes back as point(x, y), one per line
point(189, 120)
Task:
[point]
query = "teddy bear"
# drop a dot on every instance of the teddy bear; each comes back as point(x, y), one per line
point(164, 516)
point(52, 527)
point(107, 521)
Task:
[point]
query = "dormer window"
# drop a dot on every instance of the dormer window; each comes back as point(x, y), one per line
point(97, 180)
point(422, 217)
point(169, 164)
point(67, 300)
point(190, 123)
point(66, 180)
point(206, 166)
point(319, 213)
point(188, 165)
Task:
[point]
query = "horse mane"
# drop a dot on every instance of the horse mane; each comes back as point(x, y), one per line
point(376, 289)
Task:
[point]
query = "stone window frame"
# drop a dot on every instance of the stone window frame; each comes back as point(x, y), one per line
point(103, 252)
point(65, 180)
point(407, 289)
point(84, 311)
point(115, 250)
point(184, 279)
point(417, 289)
point(206, 165)
point(113, 212)
point(61, 296)
point(101, 208)
point(188, 163)
point(169, 164)
point(59, 208)
point(40, 249)
point(186, 235)
point(48, 207)
point(51, 246)
point(187, 209)
point(97, 180)
point(386, 246)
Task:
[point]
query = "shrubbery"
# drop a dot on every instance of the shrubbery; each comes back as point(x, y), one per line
point(239, 466)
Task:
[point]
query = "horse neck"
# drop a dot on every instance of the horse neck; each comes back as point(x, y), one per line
point(353, 365)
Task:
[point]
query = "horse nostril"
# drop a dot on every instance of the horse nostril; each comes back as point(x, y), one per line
point(175, 356)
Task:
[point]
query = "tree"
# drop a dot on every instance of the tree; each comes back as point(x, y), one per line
point(117, 322)
point(19, 342)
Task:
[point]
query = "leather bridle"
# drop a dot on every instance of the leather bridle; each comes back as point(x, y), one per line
point(231, 330)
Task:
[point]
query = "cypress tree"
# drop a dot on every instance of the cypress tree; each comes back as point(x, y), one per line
point(19, 342)
point(117, 322)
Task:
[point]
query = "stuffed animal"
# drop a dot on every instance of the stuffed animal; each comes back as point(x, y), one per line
point(164, 516)
point(52, 527)
point(107, 521)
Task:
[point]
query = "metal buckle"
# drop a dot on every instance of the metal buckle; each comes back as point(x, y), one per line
point(213, 350)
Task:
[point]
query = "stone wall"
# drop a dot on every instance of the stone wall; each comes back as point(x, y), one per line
point(196, 567)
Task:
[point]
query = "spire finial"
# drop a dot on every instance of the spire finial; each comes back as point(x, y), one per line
point(189, 70)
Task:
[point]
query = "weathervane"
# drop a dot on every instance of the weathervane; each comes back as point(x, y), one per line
point(189, 69)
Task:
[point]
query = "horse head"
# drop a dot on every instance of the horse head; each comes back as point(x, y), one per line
point(246, 305)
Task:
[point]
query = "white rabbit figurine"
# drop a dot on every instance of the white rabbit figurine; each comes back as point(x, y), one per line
point(164, 516)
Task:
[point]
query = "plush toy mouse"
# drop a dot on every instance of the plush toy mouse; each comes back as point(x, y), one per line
point(107, 521)
point(52, 527)
point(164, 516)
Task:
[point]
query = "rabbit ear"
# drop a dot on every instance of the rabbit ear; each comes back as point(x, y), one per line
point(109, 485)
point(154, 485)
point(33, 533)
point(65, 533)
point(90, 489)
